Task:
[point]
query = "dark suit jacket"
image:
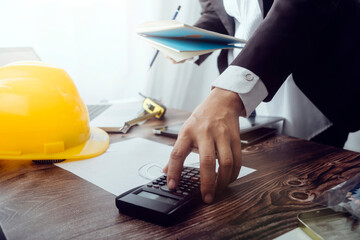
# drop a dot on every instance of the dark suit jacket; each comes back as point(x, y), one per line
point(318, 41)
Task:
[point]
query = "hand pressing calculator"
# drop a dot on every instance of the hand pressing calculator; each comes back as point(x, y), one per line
point(156, 203)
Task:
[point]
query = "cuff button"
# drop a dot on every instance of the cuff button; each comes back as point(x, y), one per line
point(249, 77)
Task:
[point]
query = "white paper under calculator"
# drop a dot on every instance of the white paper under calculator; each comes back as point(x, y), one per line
point(128, 164)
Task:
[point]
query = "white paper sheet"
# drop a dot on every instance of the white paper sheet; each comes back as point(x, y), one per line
point(128, 164)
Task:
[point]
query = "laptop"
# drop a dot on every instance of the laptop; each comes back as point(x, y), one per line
point(112, 115)
point(9, 55)
point(252, 129)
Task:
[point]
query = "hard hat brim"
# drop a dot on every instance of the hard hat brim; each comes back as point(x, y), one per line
point(97, 144)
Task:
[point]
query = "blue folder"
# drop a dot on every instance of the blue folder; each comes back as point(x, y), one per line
point(183, 45)
point(190, 34)
point(182, 38)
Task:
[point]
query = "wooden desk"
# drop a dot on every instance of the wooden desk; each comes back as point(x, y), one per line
point(47, 202)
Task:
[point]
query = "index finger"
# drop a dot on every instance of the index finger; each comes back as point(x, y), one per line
point(174, 167)
point(207, 169)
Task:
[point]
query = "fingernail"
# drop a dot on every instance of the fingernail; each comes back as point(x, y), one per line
point(171, 184)
point(208, 198)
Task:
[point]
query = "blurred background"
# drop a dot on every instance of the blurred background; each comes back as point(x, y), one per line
point(95, 42)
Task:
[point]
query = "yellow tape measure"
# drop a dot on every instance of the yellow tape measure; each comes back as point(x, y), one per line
point(151, 106)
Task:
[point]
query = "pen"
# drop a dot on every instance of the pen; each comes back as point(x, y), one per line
point(176, 12)
point(157, 51)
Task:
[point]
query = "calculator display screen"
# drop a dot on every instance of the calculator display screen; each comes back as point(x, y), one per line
point(157, 197)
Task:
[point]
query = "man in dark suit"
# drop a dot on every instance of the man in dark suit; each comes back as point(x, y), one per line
point(317, 41)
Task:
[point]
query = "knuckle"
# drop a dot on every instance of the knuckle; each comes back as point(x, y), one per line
point(206, 127)
point(226, 162)
point(185, 131)
point(223, 130)
point(177, 154)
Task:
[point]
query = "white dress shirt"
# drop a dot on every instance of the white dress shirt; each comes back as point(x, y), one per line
point(303, 119)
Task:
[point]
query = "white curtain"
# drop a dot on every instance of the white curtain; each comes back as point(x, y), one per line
point(95, 42)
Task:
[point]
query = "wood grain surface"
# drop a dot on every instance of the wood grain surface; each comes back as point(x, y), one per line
point(47, 202)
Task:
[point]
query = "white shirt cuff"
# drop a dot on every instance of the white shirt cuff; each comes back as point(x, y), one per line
point(248, 85)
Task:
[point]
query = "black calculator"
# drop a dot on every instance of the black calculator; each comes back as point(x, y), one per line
point(156, 203)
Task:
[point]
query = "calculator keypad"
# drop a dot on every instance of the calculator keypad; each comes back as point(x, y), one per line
point(189, 182)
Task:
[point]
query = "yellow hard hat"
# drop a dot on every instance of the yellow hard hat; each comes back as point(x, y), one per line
point(42, 116)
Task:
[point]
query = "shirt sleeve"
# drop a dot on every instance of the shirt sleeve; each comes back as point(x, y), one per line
point(248, 85)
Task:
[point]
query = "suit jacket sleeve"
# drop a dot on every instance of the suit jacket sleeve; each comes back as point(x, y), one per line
point(281, 42)
point(209, 20)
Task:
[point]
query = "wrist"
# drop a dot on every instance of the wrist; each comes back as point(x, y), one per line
point(229, 99)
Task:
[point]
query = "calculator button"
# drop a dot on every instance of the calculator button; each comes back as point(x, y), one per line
point(163, 178)
point(155, 182)
point(166, 189)
point(186, 177)
point(191, 174)
point(185, 193)
point(156, 186)
point(195, 178)
point(161, 184)
point(179, 191)
point(149, 185)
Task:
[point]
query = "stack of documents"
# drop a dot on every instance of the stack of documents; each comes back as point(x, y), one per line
point(180, 41)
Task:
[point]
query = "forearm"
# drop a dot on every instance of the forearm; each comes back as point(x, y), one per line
point(282, 41)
